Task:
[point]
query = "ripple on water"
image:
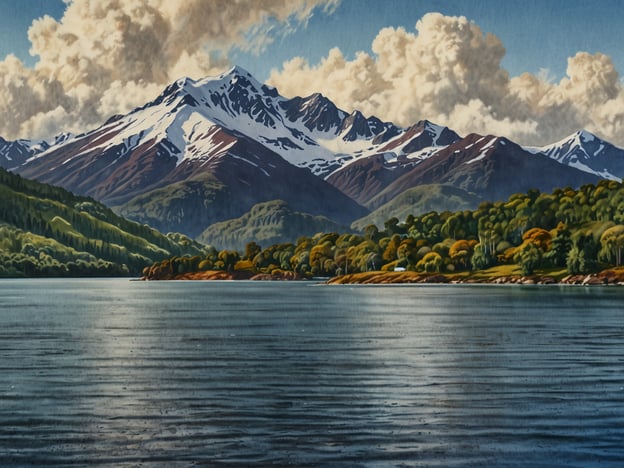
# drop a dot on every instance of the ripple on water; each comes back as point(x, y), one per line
point(124, 373)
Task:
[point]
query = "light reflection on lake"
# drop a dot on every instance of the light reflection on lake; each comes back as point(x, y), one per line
point(120, 372)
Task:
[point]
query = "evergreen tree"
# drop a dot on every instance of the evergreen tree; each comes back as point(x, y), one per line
point(560, 247)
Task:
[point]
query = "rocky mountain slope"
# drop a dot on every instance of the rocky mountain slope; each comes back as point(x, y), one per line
point(489, 166)
point(209, 150)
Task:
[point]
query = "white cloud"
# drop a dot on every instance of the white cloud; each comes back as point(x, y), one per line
point(100, 48)
point(108, 56)
point(450, 72)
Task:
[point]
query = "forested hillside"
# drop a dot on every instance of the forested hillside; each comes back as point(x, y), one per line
point(48, 231)
point(575, 230)
point(266, 223)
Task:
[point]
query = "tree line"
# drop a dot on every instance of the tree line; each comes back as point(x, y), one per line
point(579, 230)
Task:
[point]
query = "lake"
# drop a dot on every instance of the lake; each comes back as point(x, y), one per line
point(116, 372)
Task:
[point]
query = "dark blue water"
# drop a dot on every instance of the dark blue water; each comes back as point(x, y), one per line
point(245, 373)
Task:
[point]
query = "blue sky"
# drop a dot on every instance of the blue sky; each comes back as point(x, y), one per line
point(15, 20)
point(537, 34)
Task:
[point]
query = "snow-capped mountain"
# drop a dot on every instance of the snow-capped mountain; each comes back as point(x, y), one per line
point(420, 136)
point(491, 167)
point(227, 139)
point(365, 175)
point(208, 150)
point(586, 152)
point(182, 122)
point(15, 153)
point(317, 113)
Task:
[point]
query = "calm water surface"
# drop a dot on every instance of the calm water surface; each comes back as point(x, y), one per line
point(246, 373)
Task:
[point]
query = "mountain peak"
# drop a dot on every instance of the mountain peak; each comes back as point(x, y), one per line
point(181, 87)
point(236, 70)
point(317, 100)
point(230, 76)
point(585, 136)
point(356, 126)
point(315, 111)
point(235, 77)
point(184, 82)
point(426, 124)
point(587, 152)
point(580, 138)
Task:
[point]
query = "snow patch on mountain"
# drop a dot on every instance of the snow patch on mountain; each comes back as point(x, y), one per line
point(338, 145)
point(485, 150)
point(585, 151)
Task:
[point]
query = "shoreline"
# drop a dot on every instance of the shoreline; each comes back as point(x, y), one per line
point(602, 278)
point(220, 275)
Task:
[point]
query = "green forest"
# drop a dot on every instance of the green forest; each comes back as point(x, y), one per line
point(569, 231)
point(48, 231)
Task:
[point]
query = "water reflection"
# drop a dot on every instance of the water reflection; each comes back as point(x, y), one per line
point(124, 372)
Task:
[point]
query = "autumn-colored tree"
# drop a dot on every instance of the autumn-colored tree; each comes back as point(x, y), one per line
point(371, 232)
point(406, 252)
point(251, 250)
point(228, 259)
point(539, 237)
point(390, 252)
point(431, 262)
point(612, 242)
point(319, 254)
point(460, 252)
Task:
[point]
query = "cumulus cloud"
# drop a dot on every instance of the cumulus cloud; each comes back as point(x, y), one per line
point(108, 56)
point(449, 71)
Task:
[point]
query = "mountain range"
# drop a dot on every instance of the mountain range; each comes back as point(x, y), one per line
point(209, 151)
